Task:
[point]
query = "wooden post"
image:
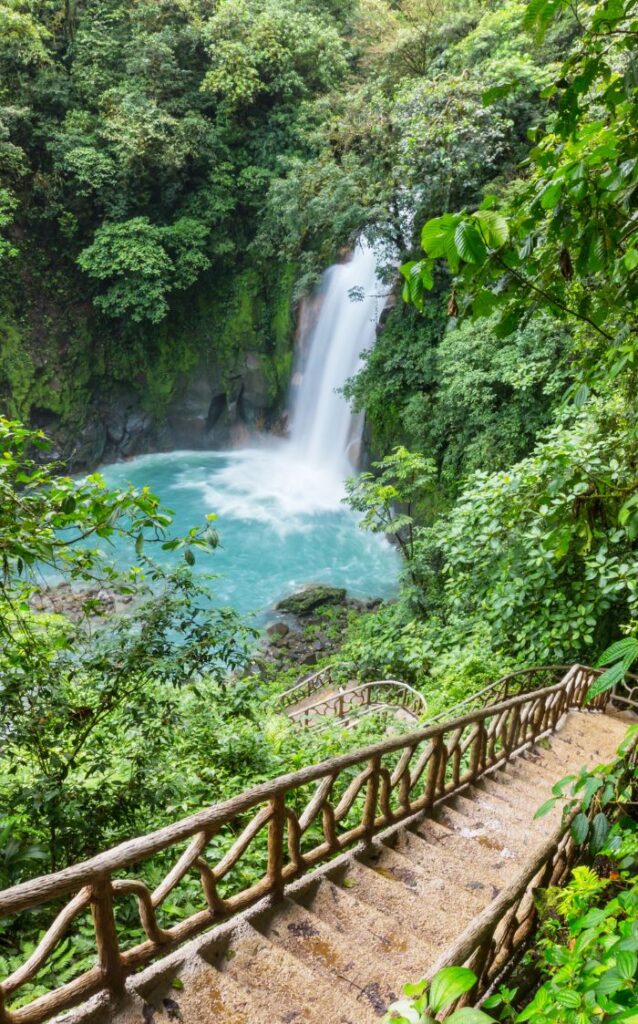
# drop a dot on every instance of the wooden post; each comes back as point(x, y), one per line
point(512, 732)
point(108, 949)
point(477, 751)
point(433, 772)
point(276, 844)
point(4, 1018)
point(372, 796)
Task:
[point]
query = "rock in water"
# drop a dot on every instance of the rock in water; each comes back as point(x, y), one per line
point(313, 596)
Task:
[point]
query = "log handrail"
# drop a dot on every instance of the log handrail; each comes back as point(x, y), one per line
point(493, 941)
point(502, 688)
point(358, 795)
point(309, 685)
point(343, 701)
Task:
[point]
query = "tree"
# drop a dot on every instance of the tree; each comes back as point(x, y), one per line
point(392, 496)
point(142, 263)
point(87, 702)
point(564, 239)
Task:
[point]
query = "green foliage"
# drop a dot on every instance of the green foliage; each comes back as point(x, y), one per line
point(540, 551)
point(425, 1000)
point(141, 263)
point(620, 656)
point(87, 702)
point(590, 958)
point(402, 481)
point(130, 173)
point(270, 49)
point(563, 240)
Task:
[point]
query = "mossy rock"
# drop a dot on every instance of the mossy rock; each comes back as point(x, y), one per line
point(313, 596)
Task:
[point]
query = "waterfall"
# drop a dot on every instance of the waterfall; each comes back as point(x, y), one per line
point(350, 302)
point(283, 484)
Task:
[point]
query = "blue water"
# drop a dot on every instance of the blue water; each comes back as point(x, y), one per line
point(281, 523)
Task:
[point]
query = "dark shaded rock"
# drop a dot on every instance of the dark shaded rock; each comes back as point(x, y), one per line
point(313, 596)
point(278, 630)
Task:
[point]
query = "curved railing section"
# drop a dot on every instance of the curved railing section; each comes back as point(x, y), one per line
point(292, 824)
point(311, 684)
point(625, 694)
point(379, 694)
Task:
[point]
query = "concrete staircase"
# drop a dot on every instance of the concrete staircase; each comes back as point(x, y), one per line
point(339, 946)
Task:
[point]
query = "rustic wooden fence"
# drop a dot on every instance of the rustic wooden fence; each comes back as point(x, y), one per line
point(494, 941)
point(298, 820)
point(357, 700)
point(312, 684)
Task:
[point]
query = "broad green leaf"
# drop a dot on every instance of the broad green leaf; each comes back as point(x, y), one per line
point(448, 984)
point(607, 680)
point(599, 832)
point(617, 650)
point(469, 244)
point(545, 808)
point(580, 828)
point(468, 1015)
point(626, 964)
point(494, 228)
point(551, 195)
point(438, 233)
point(567, 997)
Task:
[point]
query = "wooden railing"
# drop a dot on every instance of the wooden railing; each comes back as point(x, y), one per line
point(311, 684)
point(357, 699)
point(294, 823)
point(493, 942)
point(523, 680)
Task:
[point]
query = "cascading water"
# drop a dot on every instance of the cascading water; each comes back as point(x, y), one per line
point(323, 426)
point(281, 517)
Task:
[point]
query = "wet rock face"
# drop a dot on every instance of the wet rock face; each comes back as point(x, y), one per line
point(213, 407)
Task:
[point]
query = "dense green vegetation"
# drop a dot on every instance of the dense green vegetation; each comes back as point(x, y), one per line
point(137, 142)
point(535, 557)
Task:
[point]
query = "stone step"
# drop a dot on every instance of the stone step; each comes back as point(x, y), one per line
point(506, 841)
point(434, 892)
point(485, 871)
point(288, 989)
point(208, 996)
point(390, 899)
point(380, 935)
point(345, 964)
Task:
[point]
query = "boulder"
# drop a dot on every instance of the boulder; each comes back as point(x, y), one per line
point(304, 601)
point(277, 630)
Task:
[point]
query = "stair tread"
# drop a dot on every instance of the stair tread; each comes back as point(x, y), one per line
point(392, 900)
point(487, 866)
point(382, 934)
point(209, 996)
point(508, 841)
point(288, 988)
point(335, 955)
point(434, 888)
